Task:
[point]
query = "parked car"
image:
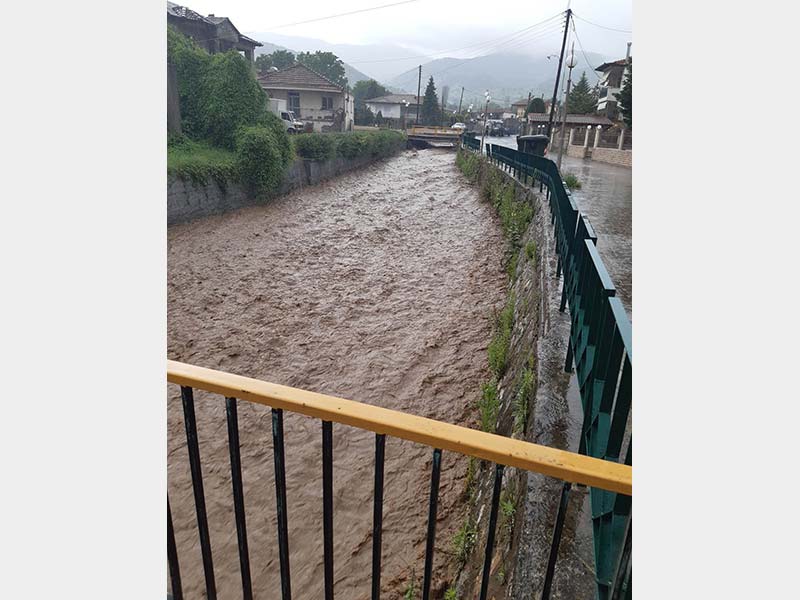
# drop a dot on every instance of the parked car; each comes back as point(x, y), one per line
point(459, 126)
point(495, 127)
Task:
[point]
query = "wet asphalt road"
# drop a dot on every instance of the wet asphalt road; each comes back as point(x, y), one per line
point(605, 198)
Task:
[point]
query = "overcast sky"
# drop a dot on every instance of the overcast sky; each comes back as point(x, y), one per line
point(430, 26)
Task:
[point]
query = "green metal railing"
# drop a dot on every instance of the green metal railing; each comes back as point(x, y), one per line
point(600, 346)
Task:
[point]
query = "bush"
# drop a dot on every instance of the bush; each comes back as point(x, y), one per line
point(315, 146)
point(259, 159)
point(231, 98)
point(191, 63)
point(572, 181)
point(523, 399)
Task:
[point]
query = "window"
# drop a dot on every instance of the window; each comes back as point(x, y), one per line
point(327, 103)
point(294, 102)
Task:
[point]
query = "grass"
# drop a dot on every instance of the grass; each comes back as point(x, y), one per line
point(530, 250)
point(464, 542)
point(200, 162)
point(410, 592)
point(501, 341)
point(489, 406)
point(470, 165)
point(450, 594)
point(572, 181)
point(522, 400)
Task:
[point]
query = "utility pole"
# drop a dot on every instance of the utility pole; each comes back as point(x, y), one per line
point(419, 86)
point(558, 73)
point(525, 116)
point(462, 93)
point(570, 66)
point(485, 115)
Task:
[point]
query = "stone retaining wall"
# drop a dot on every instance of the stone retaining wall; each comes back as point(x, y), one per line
point(187, 201)
point(613, 156)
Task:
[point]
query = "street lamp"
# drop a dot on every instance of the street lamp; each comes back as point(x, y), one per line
point(485, 115)
point(405, 112)
point(570, 66)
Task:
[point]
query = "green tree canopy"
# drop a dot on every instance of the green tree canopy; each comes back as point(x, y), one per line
point(326, 64)
point(364, 90)
point(536, 105)
point(280, 59)
point(625, 96)
point(429, 111)
point(582, 99)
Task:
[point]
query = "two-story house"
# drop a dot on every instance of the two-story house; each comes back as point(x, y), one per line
point(609, 85)
point(214, 34)
point(312, 97)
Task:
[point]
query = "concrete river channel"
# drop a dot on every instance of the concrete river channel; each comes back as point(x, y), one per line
point(379, 286)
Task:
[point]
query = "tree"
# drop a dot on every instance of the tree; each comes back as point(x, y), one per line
point(582, 100)
point(362, 91)
point(280, 59)
point(326, 64)
point(429, 111)
point(625, 97)
point(536, 105)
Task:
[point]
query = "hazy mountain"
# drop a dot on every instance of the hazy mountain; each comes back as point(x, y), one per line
point(349, 53)
point(508, 77)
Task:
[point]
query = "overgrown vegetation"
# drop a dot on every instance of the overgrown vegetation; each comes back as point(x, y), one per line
point(572, 181)
point(324, 146)
point(410, 592)
point(498, 347)
point(450, 594)
point(523, 398)
point(464, 542)
point(530, 250)
point(489, 405)
point(470, 165)
point(199, 162)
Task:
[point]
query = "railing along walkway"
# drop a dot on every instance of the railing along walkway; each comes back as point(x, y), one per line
point(600, 347)
point(612, 477)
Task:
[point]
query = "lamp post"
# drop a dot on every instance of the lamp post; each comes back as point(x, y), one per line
point(570, 66)
point(485, 115)
point(405, 112)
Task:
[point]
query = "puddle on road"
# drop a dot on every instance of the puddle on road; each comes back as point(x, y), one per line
point(378, 286)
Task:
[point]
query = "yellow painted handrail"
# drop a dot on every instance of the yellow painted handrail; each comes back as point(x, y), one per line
point(561, 464)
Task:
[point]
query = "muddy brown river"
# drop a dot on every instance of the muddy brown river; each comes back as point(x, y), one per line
point(378, 286)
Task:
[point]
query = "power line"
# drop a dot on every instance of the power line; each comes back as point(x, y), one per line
point(602, 26)
point(352, 12)
point(575, 31)
point(441, 52)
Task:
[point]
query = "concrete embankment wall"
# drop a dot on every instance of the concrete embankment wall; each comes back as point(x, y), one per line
point(538, 342)
point(187, 200)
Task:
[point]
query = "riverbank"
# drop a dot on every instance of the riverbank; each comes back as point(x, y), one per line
point(204, 181)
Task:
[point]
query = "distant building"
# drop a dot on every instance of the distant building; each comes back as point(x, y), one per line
point(538, 119)
point(214, 34)
point(520, 107)
point(312, 97)
point(393, 107)
point(610, 85)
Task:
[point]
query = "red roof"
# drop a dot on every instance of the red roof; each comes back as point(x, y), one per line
point(298, 76)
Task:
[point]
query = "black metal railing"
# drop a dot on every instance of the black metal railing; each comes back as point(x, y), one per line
point(465, 441)
point(600, 347)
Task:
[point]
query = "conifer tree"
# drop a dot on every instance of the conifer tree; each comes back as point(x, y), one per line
point(582, 100)
point(429, 111)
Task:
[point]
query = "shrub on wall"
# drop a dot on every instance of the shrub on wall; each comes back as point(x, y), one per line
point(259, 159)
point(315, 146)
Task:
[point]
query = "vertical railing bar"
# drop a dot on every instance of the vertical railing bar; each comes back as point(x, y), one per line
point(327, 505)
point(187, 397)
point(377, 515)
point(434, 500)
point(487, 561)
point(172, 558)
point(238, 495)
point(559, 526)
point(280, 500)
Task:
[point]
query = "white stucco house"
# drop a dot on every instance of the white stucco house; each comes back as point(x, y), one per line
point(312, 97)
point(395, 107)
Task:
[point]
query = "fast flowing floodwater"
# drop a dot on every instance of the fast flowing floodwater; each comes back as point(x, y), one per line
point(378, 286)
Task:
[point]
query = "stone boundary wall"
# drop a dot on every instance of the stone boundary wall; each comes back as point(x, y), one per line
point(577, 151)
point(187, 201)
point(613, 156)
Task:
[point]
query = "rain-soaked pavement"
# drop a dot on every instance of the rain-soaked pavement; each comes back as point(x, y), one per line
point(378, 286)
